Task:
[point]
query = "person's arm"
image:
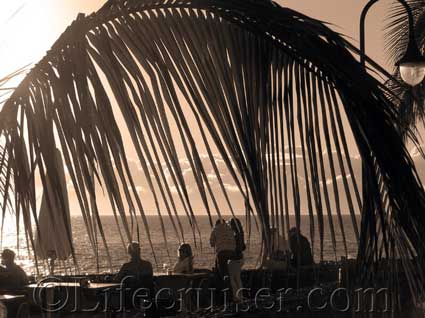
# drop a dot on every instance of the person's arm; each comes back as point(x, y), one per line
point(150, 270)
point(147, 276)
point(147, 270)
point(293, 243)
point(180, 266)
point(121, 274)
point(24, 277)
point(4, 273)
point(213, 237)
point(242, 242)
point(4, 279)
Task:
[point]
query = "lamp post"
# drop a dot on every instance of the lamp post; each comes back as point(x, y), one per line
point(412, 64)
point(412, 71)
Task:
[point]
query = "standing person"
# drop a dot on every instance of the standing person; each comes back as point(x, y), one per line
point(236, 263)
point(184, 263)
point(300, 248)
point(11, 275)
point(223, 240)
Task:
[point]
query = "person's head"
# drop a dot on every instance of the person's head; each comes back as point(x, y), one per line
point(7, 257)
point(133, 249)
point(294, 231)
point(185, 250)
point(219, 221)
point(236, 225)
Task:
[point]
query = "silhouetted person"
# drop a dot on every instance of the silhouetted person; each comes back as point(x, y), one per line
point(236, 263)
point(223, 240)
point(137, 272)
point(184, 263)
point(300, 248)
point(134, 276)
point(11, 275)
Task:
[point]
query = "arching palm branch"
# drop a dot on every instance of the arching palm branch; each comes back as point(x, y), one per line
point(275, 92)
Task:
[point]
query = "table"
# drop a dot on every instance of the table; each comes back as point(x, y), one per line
point(78, 290)
point(53, 285)
point(102, 286)
point(45, 294)
point(74, 285)
point(11, 298)
point(195, 272)
point(187, 275)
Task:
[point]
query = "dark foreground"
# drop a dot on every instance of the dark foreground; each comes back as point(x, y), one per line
point(322, 291)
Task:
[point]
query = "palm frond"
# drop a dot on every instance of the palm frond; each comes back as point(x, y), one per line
point(275, 92)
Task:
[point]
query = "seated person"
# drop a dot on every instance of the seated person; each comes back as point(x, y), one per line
point(134, 276)
point(185, 262)
point(137, 273)
point(300, 248)
point(11, 275)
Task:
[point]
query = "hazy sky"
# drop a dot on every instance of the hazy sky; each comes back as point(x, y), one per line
point(28, 28)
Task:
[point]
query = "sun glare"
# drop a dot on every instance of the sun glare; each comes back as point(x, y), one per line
point(28, 28)
point(25, 32)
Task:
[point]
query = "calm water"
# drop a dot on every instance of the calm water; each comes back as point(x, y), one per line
point(88, 262)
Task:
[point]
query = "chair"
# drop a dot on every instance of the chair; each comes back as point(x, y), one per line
point(23, 311)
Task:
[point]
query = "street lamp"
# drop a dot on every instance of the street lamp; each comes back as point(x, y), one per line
point(412, 64)
point(412, 71)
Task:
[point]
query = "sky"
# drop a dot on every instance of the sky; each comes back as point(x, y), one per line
point(28, 28)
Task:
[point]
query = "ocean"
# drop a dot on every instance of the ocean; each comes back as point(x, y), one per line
point(166, 250)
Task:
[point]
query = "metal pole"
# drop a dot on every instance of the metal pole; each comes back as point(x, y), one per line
point(362, 26)
point(367, 204)
point(365, 172)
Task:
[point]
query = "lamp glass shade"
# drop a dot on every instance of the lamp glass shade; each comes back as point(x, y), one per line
point(412, 73)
